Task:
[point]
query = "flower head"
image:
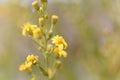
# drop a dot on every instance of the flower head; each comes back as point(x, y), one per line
point(60, 52)
point(33, 59)
point(36, 33)
point(25, 66)
point(28, 28)
point(59, 40)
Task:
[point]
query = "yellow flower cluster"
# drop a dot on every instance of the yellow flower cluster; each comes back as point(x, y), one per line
point(59, 40)
point(31, 59)
point(59, 50)
point(37, 33)
point(25, 66)
point(31, 30)
point(60, 44)
point(42, 36)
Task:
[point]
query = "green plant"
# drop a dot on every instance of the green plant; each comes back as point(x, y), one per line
point(48, 45)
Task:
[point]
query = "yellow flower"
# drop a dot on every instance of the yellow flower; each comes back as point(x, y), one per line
point(60, 52)
point(25, 66)
point(58, 40)
point(33, 59)
point(36, 33)
point(28, 28)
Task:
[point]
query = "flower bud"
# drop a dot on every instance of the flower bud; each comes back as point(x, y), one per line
point(46, 16)
point(41, 10)
point(50, 33)
point(54, 19)
point(33, 78)
point(58, 64)
point(35, 5)
point(49, 71)
point(50, 48)
point(41, 21)
point(37, 33)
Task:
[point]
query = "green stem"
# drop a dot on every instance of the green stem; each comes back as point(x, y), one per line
point(45, 50)
point(41, 69)
point(44, 7)
point(46, 62)
point(38, 43)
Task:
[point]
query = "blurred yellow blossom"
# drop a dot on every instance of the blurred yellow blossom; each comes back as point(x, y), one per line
point(59, 40)
point(32, 58)
point(60, 52)
point(25, 66)
point(36, 33)
point(28, 28)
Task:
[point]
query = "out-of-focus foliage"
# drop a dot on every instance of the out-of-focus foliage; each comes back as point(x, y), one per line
point(91, 27)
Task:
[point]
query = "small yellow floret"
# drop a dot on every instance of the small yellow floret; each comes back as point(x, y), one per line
point(33, 59)
point(58, 40)
point(25, 66)
point(60, 52)
point(28, 28)
point(36, 33)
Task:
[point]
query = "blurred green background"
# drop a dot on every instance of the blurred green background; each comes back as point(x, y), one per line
point(91, 28)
